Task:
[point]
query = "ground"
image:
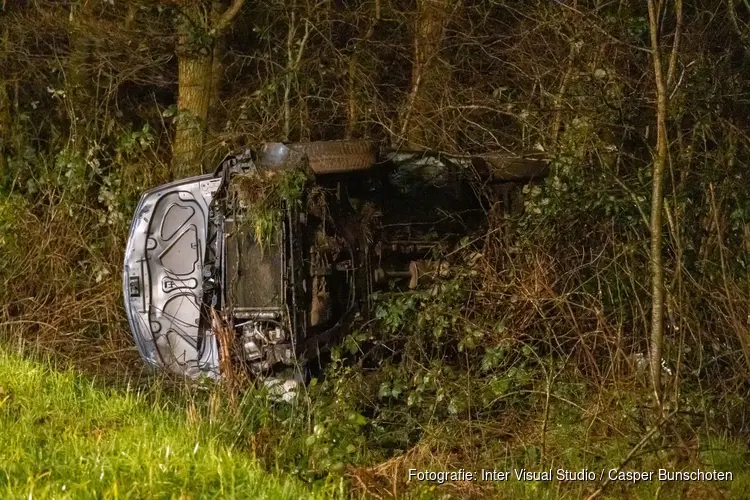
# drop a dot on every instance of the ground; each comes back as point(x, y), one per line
point(68, 436)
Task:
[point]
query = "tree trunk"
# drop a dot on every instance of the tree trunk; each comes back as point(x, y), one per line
point(194, 77)
point(5, 116)
point(657, 192)
point(199, 73)
point(78, 73)
point(5, 131)
point(426, 75)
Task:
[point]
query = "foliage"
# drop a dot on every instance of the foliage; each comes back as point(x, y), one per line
point(529, 355)
point(263, 197)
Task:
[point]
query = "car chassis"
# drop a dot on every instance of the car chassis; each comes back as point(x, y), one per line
point(204, 290)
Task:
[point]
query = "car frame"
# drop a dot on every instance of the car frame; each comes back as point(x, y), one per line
point(204, 295)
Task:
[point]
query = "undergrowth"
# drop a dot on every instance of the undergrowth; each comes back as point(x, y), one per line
point(442, 380)
point(532, 354)
point(522, 358)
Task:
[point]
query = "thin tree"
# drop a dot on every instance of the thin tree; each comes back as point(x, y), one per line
point(429, 33)
point(5, 117)
point(660, 155)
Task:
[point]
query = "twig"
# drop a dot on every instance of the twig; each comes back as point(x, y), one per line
point(632, 453)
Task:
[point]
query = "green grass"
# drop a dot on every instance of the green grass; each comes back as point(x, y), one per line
point(63, 436)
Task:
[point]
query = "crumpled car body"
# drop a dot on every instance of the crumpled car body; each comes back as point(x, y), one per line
point(202, 291)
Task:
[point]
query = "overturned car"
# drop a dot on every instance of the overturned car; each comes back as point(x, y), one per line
point(264, 263)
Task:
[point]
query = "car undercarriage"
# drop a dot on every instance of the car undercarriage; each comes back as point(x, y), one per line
point(263, 265)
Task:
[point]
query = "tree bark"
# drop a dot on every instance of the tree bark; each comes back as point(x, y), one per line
point(5, 116)
point(78, 71)
point(657, 192)
point(199, 74)
point(426, 76)
point(194, 76)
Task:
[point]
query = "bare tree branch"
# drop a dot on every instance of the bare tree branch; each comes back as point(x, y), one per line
point(676, 44)
point(227, 17)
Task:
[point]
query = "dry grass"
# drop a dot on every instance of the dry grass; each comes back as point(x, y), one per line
point(61, 294)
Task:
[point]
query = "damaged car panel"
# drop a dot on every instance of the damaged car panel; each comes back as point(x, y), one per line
point(164, 277)
point(271, 257)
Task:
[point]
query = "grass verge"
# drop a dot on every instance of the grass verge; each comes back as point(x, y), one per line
point(64, 436)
